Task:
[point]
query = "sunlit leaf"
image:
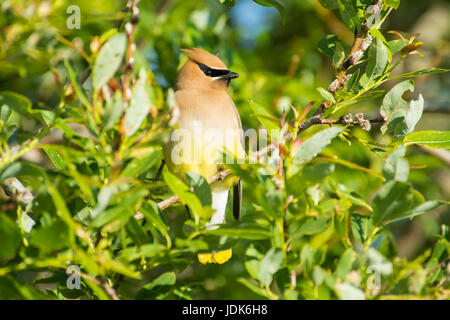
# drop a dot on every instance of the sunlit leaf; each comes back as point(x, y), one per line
point(139, 107)
point(429, 138)
point(396, 166)
point(108, 59)
point(269, 265)
point(158, 288)
point(393, 200)
point(9, 238)
point(312, 146)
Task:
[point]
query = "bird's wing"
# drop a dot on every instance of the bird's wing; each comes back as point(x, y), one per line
point(237, 200)
point(237, 188)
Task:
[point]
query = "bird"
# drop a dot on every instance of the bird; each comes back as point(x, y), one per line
point(202, 105)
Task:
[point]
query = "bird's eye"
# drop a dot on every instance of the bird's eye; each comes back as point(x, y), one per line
point(211, 72)
point(207, 71)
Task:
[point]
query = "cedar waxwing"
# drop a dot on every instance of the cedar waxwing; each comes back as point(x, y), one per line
point(207, 125)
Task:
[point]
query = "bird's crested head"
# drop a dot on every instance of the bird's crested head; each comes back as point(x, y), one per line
point(203, 70)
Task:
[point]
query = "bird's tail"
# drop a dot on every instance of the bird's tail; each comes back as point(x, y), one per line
point(219, 203)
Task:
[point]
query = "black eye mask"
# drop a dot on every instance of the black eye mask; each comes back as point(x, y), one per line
point(217, 73)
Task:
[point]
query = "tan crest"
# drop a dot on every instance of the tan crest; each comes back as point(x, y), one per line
point(202, 56)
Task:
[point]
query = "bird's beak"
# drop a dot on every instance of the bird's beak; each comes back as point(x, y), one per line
point(230, 75)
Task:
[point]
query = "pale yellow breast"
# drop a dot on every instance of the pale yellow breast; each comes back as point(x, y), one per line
point(207, 122)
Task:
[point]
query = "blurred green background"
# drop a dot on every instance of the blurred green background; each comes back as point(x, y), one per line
point(278, 63)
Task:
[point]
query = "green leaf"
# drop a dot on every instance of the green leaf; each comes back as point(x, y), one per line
point(5, 112)
point(421, 72)
point(253, 267)
point(201, 187)
point(308, 226)
point(140, 164)
point(350, 165)
point(429, 138)
point(76, 86)
point(326, 94)
point(254, 288)
point(348, 291)
point(127, 206)
point(63, 212)
point(345, 264)
point(394, 109)
point(52, 237)
point(310, 256)
point(113, 111)
point(393, 200)
point(241, 233)
point(276, 4)
point(139, 107)
point(377, 61)
point(420, 209)
point(149, 250)
point(153, 215)
point(395, 46)
point(392, 3)
point(328, 45)
point(396, 166)
point(10, 238)
point(10, 289)
point(376, 33)
point(158, 288)
point(184, 194)
point(348, 13)
point(311, 147)
point(22, 105)
point(269, 265)
point(108, 60)
point(361, 227)
point(413, 116)
point(136, 232)
point(352, 81)
point(282, 279)
point(16, 102)
point(56, 159)
point(22, 169)
point(345, 193)
point(338, 56)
